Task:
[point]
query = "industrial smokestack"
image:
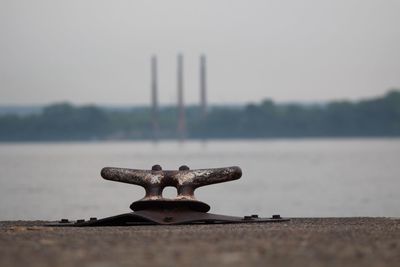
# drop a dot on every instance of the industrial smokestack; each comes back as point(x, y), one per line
point(154, 99)
point(203, 86)
point(181, 107)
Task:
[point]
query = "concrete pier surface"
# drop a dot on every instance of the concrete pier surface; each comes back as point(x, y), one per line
point(300, 242)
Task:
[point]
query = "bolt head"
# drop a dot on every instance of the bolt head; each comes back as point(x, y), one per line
point(184, 168)
point(156, 168)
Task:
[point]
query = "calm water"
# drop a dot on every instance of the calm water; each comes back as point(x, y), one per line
point(351, 177)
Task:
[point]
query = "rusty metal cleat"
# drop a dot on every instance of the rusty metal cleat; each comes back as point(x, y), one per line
point(153, 208)
point(184, 180)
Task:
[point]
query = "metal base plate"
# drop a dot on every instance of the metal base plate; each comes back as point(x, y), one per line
point(168, 217)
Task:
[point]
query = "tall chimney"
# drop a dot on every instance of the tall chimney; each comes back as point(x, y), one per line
point(181, 106)
point(154, 99)
point(203, 86)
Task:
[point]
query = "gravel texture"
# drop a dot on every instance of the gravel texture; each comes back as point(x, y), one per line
point(300, 242)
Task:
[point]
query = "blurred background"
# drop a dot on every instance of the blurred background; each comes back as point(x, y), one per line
point(302, 95)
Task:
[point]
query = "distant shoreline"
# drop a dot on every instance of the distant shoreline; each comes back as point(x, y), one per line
point(210, 140)
point(369, 118)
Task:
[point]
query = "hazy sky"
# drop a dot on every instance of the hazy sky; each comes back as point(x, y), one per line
point(99, 51)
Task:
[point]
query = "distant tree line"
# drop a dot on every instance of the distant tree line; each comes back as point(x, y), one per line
point(376, 117)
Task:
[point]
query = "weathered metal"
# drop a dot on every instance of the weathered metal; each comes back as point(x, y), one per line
point(153, 208)
point(184, 180)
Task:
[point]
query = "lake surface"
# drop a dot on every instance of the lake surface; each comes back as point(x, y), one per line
point(294, 178)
